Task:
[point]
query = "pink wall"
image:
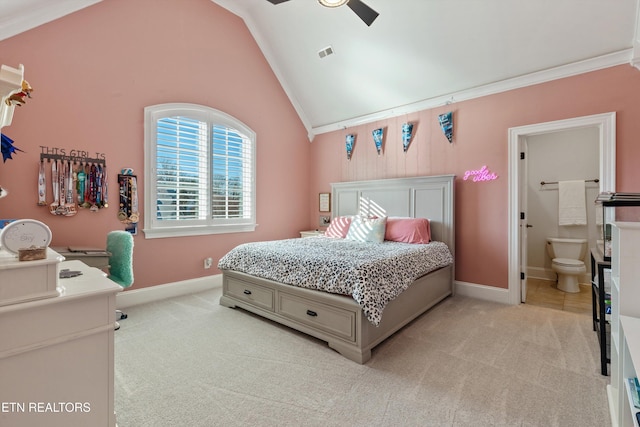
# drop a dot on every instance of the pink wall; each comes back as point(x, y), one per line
point(94, 71)
point(480, 138)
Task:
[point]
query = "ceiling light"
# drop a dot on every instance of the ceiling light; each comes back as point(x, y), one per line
point(332, 3)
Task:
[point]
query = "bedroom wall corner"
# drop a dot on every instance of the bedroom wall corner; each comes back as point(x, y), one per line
point(94, 71)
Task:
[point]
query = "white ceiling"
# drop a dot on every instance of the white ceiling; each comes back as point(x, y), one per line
point(417, 54)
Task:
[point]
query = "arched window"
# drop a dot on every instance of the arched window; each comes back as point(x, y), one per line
point(200, 172)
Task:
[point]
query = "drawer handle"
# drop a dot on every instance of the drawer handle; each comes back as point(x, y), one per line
point(247, 292)
point(312, 313)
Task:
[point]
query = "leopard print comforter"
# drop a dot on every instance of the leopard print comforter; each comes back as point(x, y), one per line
point(372, 273)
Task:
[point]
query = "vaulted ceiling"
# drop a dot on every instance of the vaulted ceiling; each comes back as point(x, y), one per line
point(417, 54)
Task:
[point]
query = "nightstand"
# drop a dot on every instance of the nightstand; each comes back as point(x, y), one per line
point(311, 233)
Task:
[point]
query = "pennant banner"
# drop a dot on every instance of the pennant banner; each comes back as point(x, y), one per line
point(407, 130)
point(446, 123)
point(6, 147)
point(350, 139)
point(378, 134)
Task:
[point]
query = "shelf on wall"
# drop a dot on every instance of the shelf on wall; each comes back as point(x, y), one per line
point(10, 83)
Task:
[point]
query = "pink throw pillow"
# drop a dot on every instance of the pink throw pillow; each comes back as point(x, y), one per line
point(408, 230)
point(339, 227)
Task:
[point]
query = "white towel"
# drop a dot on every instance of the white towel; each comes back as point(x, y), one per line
point(571, 203)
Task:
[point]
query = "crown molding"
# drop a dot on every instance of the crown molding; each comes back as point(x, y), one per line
point(569, 70)
point(635, 57)
point(41, 14)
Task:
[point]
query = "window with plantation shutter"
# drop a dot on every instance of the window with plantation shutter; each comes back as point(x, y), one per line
point(202, 166)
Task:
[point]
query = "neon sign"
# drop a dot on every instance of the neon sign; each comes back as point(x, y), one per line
point(482, 174)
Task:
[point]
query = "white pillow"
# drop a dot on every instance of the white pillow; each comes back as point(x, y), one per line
point(364, 229)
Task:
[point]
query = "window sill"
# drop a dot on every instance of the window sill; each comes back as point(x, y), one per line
point(157, 233)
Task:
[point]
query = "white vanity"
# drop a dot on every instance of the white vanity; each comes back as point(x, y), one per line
point(56, 343)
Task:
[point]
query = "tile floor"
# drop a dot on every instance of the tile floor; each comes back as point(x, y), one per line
point(545, 293)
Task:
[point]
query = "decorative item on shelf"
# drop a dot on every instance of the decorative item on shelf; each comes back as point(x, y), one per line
point(407, 133)
point(32, 253)
point(378, 136)
point(27, 238)
point(446, 124)
point(7, 148)
point(18, 98)
point(350, 142)
point(324, 220)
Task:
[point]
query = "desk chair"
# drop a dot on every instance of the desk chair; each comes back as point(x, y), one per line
point(120, 248)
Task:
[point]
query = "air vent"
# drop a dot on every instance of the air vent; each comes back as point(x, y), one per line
point(325, 52)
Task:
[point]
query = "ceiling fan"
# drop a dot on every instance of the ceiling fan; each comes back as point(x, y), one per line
point(363, 11)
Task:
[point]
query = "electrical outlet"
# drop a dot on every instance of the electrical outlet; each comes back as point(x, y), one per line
point(208, 262)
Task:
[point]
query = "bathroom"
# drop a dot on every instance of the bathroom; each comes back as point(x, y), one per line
point(553, 157)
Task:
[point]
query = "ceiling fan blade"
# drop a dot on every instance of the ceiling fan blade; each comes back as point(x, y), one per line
point(365, 13)
point(277, 1)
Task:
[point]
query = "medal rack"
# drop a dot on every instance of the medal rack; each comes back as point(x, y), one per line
point(128, 195)
point(73, 187)
point(74, 159)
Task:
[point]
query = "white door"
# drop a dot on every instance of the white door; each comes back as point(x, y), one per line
point(523, 183)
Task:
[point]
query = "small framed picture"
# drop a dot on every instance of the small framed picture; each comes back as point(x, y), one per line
point(325, 202)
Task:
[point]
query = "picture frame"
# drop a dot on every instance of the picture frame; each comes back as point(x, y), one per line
point(325, 202)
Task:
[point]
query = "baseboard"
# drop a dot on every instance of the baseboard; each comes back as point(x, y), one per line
point(169, 290)
point(548, 274)
point(613, 410)
point(483, 292)
point(541, 273)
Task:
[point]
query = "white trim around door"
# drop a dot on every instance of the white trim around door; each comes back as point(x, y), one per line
point(606, 124)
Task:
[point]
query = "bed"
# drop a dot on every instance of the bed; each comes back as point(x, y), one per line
point(348, 325)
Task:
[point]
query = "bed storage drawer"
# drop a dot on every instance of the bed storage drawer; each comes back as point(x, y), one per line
point(334, 320)
point(250, 293)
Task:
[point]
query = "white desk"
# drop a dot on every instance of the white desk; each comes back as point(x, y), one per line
point(92, 257)
point(57, 355)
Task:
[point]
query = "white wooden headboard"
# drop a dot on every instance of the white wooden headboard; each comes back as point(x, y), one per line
point(429, 197)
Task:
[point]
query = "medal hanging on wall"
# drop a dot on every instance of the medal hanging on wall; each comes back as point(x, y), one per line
point(93, 188)
point(105, 192)
point(55, 188)
point(128, 194)
point(87, 186)
point(42, 185)
point(98, 201)
point(82, 178)
point(70, 204)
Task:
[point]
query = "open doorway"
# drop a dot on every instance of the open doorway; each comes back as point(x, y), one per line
point(605, 125)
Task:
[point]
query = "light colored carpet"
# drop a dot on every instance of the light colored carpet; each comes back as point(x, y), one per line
point(188, 361)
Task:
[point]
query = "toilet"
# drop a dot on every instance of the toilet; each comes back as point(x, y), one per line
point(567, 261)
